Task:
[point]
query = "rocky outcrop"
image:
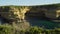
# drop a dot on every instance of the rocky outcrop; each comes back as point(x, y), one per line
point(16, 14)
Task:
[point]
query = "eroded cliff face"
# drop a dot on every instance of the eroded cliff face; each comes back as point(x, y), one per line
point(37, 11)
point(18, 13)
point(14, 14)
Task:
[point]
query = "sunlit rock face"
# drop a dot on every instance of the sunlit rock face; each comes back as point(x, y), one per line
point(23, 11)
point(58, 13)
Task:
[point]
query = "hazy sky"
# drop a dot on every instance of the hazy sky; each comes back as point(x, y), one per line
point(28, 2)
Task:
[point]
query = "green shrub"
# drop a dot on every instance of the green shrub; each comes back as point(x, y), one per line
point(35, 30)
point(6, 29)
point(38, 30)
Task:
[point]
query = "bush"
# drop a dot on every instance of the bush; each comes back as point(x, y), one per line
point(6, 29)
point(38, 30)
point(35, 30)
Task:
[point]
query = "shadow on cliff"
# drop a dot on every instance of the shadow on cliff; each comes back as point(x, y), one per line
point(4, 20)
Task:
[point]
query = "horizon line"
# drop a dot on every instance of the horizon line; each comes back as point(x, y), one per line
point(29, 5)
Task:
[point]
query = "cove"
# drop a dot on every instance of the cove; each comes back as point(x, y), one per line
point(42, 23)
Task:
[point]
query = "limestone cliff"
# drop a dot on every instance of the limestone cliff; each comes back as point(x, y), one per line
point(15, 14)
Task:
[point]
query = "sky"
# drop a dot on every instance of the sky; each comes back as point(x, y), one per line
point(28, 2)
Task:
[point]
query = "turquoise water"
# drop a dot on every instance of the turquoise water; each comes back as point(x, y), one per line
point(43, 23)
